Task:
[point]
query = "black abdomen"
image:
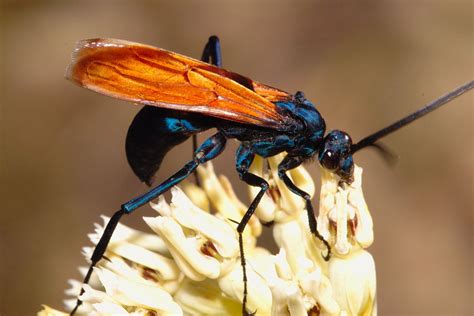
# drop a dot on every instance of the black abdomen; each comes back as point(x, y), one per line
point(153, 132)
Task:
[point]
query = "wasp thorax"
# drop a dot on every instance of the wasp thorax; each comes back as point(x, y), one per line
point(335, 155)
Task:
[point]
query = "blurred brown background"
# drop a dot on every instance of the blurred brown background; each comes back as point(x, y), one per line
point(364, 63)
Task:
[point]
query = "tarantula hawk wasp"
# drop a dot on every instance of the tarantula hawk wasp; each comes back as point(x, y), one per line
point(184, 96)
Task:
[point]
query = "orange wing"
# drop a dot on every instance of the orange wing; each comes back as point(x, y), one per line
point(153, 76)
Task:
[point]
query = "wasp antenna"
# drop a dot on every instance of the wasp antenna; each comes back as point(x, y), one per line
point(388, 154)
point(371, 139)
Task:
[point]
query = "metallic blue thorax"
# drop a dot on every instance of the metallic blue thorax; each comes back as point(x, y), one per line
point(308, 137)
point(302, 135)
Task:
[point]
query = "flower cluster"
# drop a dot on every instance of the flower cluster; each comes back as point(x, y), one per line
point(191, 265)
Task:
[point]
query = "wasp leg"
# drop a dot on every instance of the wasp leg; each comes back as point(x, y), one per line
point(211, 54)
point(210, 149)
point(244, 158)
point(99, 251)
point(289, 163)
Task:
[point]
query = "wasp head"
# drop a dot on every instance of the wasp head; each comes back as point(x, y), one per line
point(335, 155)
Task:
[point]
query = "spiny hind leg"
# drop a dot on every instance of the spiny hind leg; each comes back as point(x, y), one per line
point(210, 149)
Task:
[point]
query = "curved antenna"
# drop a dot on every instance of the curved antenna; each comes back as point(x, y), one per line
point(371, 139)
point(389, 156)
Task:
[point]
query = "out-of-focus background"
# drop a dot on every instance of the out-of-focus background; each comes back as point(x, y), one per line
point(364, 63)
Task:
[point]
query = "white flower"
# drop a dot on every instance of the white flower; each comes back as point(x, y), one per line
point(344, 218)
point(48, 311)
point(128, 293)
point(226, 203)
point(192, 265)
point(345, 221)
point(200, 244)
point(353, 281)
point(205, 297)
point(298, 292)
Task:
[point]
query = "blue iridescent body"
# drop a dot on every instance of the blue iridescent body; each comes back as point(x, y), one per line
point(155, 131)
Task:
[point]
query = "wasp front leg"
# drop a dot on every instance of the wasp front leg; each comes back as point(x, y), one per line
point(291, 162)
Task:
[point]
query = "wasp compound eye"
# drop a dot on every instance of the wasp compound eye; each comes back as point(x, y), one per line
point(337, 145)
point(330, 160)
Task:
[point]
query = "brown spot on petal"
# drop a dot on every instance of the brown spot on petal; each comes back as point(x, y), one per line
point(150, 274)
point(314, 311)
point(140, 311)
point(209, 249)
point(333, 224)
point(352, 223)
point(128, 262)
point(274, 193)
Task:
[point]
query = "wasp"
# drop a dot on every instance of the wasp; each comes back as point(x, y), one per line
point(184, 96)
